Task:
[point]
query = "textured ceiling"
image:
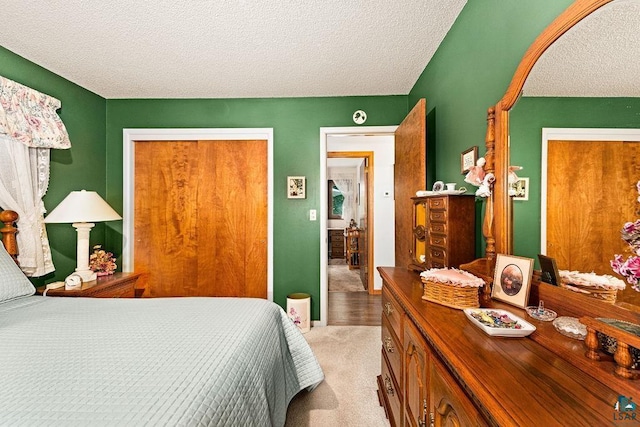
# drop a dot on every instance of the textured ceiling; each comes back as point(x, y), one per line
point(599, 57)
point(230, 48)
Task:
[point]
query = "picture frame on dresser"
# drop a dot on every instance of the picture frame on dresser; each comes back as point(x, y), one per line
point(512, 279)
point(468, 158)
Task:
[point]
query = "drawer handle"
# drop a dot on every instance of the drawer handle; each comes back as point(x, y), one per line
point(388, 308)
point(437, 241)
point(388, 385)
point(388, 346)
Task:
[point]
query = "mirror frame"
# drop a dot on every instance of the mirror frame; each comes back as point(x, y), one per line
point(498, 221)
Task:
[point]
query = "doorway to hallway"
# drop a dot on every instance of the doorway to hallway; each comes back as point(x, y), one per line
point(349, 198)
point(368, 240)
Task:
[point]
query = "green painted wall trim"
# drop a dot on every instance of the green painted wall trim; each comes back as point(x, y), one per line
point(81, 167)
point(296, 123)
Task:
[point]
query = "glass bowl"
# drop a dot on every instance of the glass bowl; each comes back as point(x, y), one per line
point(570, 327)
point(545, 314)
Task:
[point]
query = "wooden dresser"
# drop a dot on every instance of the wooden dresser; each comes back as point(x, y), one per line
point(439, 369)
point(336, 243)
point(443, 231)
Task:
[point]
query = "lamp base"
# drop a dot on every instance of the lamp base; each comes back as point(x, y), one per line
point(87, 275)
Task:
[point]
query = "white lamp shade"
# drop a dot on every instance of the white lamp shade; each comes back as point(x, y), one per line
point(82, 206)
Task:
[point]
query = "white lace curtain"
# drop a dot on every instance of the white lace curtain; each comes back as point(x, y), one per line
point(29, 128)
point(346, 184)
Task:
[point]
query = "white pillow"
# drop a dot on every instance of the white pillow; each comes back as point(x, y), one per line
point(13, 282)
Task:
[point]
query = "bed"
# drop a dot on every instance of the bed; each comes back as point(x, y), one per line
point(167, 361)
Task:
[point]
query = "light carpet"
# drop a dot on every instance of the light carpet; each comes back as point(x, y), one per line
point(350, 359)
point(341, 279)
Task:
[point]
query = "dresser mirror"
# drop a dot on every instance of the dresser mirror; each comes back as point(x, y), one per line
point(536, 91)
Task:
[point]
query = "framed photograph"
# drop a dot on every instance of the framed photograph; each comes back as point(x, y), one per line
point(512, 279)
point(296, 188)
point(549, 269)
point(521, 189)
point(468, 158)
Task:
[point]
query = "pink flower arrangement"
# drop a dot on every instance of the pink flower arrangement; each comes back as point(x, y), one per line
point(102, 262)
point(630, 268)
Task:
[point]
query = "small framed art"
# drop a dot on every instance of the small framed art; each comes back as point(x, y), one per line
point(549, 270)
point(468, 158)
point(296, 187)
point(512, 279)
point(521, 189)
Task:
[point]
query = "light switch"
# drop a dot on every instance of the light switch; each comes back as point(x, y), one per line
point(312, 215)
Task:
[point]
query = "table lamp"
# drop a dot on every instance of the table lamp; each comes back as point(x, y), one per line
point(82, 209)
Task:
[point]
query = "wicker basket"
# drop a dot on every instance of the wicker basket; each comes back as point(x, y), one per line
point(606, 295)
point(451, 296)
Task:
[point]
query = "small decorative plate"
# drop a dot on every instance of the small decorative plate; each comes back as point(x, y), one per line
point(438, 186)
point(570, 327)
point(499, 323)
point(545, 314)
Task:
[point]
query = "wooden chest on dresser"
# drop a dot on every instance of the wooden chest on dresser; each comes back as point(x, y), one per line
point(438, 369)
point(443, 231)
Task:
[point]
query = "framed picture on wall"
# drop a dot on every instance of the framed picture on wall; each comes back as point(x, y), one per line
point(468, 158)
point(512, 279)
point(296, 187)
point(521, 189)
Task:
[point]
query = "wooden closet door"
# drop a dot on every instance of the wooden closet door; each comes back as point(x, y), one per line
point(590, 195)
point(200, 223)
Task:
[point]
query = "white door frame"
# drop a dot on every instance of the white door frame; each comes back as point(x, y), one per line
point(189, 134)
point(324, 258)
point(573, 134)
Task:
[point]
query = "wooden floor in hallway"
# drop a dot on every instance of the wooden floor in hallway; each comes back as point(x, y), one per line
point(354, 309)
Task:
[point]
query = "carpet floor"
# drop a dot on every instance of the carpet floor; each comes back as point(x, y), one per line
point(350, 359)
point(341, 279)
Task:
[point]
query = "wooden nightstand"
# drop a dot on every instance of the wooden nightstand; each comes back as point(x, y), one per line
point(117, 285)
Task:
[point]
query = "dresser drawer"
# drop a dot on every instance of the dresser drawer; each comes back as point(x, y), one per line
point(391, 393)
point(438, 216)
point(119, 292)
point(438, 254)
point(438, 203)
point(439, 240)
point(392, 311)
point(392, 348)
point(437, 227)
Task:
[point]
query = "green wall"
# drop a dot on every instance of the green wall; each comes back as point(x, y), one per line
point(471, 71)
point(296, 124)
point(81, 167)
point(527, 119)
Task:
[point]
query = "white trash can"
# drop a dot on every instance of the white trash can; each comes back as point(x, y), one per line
point(299, 310)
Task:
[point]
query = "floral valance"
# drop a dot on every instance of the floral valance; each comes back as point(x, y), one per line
point(30, 117)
